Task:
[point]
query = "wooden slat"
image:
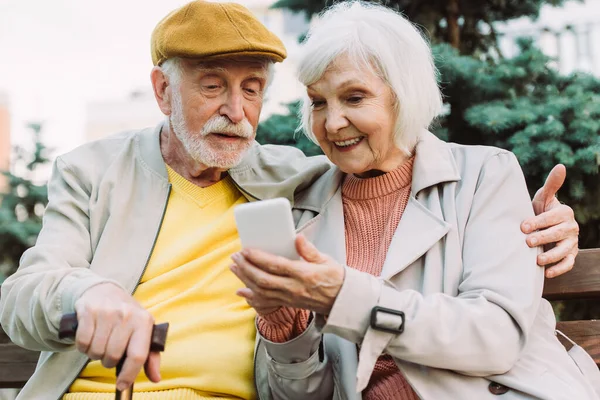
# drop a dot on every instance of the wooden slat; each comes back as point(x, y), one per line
point(583, 281)
point(585, 333)
point(16, 363)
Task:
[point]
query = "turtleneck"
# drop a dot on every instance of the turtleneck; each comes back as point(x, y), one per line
point(355, 188)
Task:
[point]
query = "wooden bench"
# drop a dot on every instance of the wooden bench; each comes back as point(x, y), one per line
point(583, 282)
point(17, 364)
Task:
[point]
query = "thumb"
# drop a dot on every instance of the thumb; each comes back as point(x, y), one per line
point(307, 250)
point(553, 183)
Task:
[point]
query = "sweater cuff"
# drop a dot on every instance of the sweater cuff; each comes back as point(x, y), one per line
point(283, 324)
point(298, 349)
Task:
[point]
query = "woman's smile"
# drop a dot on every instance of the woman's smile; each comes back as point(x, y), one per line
point(348, 144)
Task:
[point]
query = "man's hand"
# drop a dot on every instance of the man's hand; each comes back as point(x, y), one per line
point(110, 324)
point(554, 226)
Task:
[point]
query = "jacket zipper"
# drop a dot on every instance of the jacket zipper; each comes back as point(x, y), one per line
point(162, 218)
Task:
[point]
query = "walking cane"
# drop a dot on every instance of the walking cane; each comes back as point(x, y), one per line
point(68, 328)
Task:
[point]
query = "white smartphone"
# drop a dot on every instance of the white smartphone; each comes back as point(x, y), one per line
point(267, 225)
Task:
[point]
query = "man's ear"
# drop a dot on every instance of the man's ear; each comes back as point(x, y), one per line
point(162, 90)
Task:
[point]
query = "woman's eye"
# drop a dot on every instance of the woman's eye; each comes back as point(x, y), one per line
point(250, 91)
point(211, 87)
point(354, 99)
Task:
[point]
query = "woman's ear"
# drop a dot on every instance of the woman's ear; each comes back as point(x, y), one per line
point(162, 90)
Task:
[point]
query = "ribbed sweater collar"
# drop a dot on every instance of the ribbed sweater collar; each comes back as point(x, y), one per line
point(356, 188)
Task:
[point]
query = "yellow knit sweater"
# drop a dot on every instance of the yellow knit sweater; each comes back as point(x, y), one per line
point(210, 346)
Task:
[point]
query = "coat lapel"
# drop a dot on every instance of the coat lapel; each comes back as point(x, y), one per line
point(421, 226)
point(419, 229)
point(332, 240)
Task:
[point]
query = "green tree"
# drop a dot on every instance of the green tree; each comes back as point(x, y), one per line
point(545, 118)
point(22, 205)
point(467, 25)
point(281, 129)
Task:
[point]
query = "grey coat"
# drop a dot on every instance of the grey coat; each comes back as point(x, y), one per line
point(459, 269)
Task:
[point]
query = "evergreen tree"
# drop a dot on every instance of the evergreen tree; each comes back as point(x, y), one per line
point(522, 105)
point(467, 25)
point(22, 206)
point(281, 129)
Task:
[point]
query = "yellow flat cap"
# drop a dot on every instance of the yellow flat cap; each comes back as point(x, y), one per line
point(202, 29)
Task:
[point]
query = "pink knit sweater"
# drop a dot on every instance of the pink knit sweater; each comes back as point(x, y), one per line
point(372, 209)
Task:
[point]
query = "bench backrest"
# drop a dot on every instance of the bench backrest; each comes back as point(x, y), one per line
point(583, 282)
point(16, 363)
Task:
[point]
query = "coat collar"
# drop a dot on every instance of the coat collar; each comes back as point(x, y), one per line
point(434, 163)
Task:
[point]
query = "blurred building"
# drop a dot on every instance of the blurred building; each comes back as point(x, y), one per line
point(140, 110)
point(5, 144)
point(570, 34)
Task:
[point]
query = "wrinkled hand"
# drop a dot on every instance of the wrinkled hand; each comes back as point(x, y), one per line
point(111, 323)
point(556, 227)
point(272, 281)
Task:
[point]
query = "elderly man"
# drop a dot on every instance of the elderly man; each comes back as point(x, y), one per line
point(150, 213)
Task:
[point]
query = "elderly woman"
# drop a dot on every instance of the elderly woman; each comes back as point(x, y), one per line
point(422, 285)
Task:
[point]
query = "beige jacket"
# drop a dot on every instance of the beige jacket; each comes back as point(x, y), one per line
point(106, 204)
point(459, 269)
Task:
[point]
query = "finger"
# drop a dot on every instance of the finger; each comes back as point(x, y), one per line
point(152, 367)
point(239, 272)
point(267, 262)
point(542, 217)
point(551, 217)
point(137, 353)
point(258, 302)
point(102, 332)
point(256, 277)
point(254, 295)
point(307, 250)
point(553, 234)
point(562, 267)
point(557, 253)
point(85, 331)
point(117, 344)
point(554, 181)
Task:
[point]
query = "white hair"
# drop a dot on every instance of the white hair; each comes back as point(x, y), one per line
point(382, 41)
point(171, 67)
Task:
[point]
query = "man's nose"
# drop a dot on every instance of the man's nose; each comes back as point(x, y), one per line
point(233, 108)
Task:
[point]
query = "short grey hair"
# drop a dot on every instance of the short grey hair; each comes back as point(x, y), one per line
point(386, 43)
point(171, 67)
